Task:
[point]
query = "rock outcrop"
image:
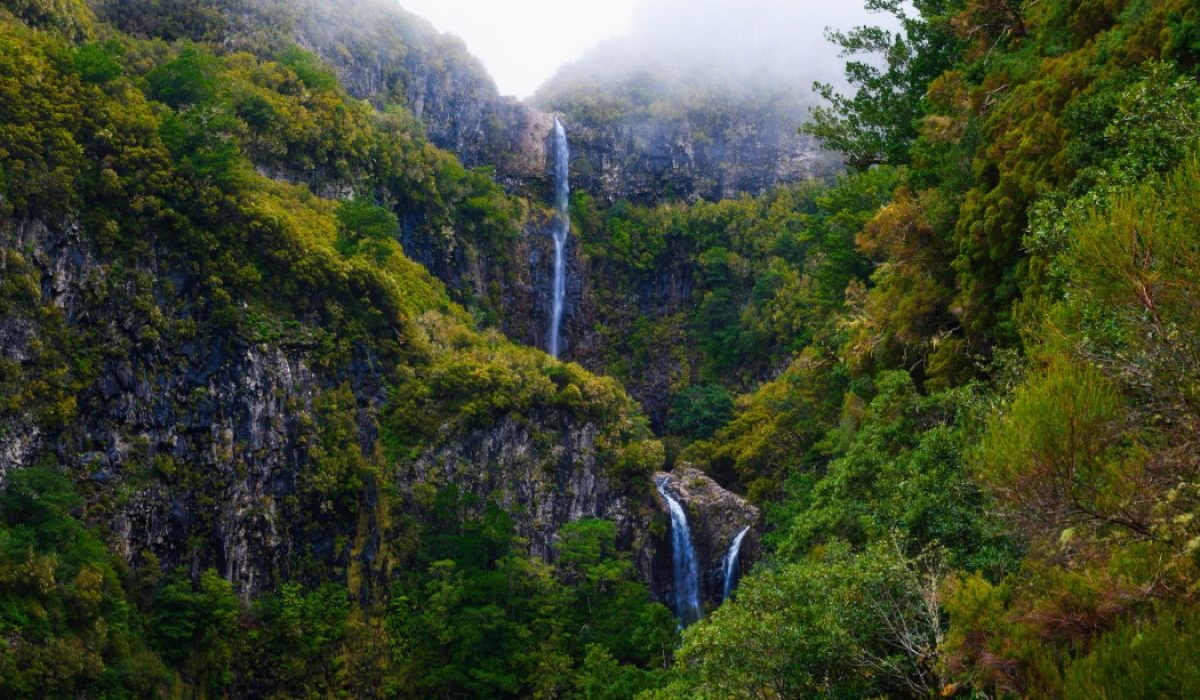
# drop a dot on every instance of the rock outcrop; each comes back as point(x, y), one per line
point(386, 55)
point(715, 517)
point(649, 159)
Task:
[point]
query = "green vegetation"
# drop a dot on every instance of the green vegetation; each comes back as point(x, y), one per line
point(700, 411)
point(150, 156)
point(754, 281)
point(963, 381)
point(999, 416)
point(485, 621)
point(67, 623)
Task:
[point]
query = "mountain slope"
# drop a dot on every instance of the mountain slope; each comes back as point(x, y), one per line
point(700, 101)
point(255, 399)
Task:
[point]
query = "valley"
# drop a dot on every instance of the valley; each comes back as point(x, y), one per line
point(329, 371)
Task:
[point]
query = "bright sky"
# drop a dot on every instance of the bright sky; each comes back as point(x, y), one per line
point(523, 42)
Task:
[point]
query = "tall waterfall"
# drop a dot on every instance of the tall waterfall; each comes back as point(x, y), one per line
point(686, 572)
point(731, 563)
point(562, 230)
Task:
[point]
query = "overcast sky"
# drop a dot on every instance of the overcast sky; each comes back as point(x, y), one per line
point(523, 42)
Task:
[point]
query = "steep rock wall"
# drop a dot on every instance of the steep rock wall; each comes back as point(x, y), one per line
point(195, 448)
point(648, 159)
point(712, 151)
point(715, 517)
point(384, 54)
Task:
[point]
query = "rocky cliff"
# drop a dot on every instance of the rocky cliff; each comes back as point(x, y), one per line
point(715, 517)
point(712, 149)
point(249, 444)
point(689, 146)
point(701, 154)
point(200, 450)
point(386, 55)
point(243, 412)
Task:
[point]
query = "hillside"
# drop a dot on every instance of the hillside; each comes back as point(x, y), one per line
point(240, 425)
point(274, 420)
point(700, 101)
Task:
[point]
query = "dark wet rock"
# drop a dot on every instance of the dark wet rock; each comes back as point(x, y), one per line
point(715, 517)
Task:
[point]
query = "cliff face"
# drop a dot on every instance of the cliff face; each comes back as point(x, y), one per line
point(693, 148)
point(702, 155)
point(200, 450)
point(197, 451)
point(386, 55)
point(239, 416)
point(608, 309)
point(711, 150)
point(223, 375)
point(546, 471)
point(242, 412)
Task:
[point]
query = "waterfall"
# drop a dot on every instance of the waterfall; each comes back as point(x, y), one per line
point(686, 572)
point(562, 230)
point(731, 563)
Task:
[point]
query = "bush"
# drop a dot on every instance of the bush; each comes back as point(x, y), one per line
point(1141, 660)
point(191, 79)
point(1055, 457)
point(99, 63)
point(308, 68)
point(700, 411)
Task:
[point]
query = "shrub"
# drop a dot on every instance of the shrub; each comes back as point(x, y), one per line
point(699, 411)
point(1141, 660)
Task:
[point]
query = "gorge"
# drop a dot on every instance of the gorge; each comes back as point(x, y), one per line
point(328, 371)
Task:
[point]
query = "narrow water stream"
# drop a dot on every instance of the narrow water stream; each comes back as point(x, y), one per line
point(562, 231)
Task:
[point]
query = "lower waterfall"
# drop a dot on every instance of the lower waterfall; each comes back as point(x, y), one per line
point(685, 570)
point(731, 564)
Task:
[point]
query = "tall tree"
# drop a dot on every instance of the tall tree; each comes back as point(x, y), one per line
point(890, 72)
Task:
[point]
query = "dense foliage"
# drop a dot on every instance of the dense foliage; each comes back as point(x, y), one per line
point(152, 156)
point(750, 282)
point(1004, 423)
point(963, 381)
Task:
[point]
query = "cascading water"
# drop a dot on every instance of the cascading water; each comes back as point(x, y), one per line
point(731, 564)
point(686, 572)
point(562, 230)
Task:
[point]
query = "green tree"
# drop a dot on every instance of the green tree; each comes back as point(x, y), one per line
point(611, 606)
point(699, 411)
point(294, 648)
point(363, 225)
point(66, 623)
point(878, 123)
point(308, 68)
point(191, 79)
point(833, 625)
point(99, 63)
point(195, 626)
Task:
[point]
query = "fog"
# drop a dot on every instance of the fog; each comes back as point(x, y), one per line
point(522, 42)
point(743, 42)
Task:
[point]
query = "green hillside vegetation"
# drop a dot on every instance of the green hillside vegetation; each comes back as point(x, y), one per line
point(987, 487)
point(765, 276)
point(155, 149)
point(962, 381)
